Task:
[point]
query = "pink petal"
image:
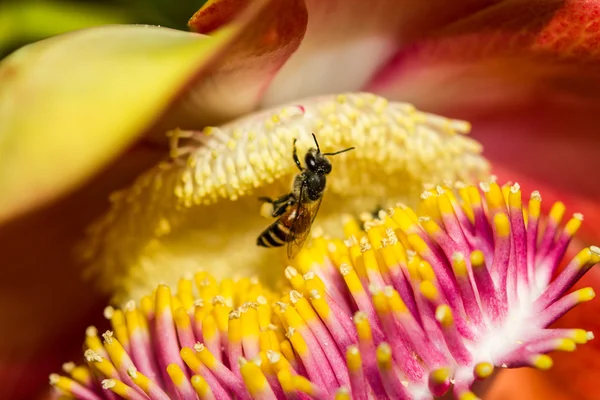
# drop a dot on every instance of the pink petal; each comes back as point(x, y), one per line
point(348, 40)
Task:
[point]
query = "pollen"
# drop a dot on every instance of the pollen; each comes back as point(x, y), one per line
point(167, 220)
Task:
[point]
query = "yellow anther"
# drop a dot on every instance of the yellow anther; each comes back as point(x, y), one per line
point(201, 387)
point(395, 301)
point(361, 322)
point(320, 305)
point(440, 375)
point(351, 279)
point(250, 322)
point(191, 360)
point(444, 204)
point(295, 279)
point(114, 349)
point(205, 356)
point(182, 319)
point(557, 211)
point(342, 394)
point(502, 224)
point(443, 315)
point(147, 305)
point(477, 258)
point(574, 224)
point(426, 271)
point(380, 302)
point(163, 300)
point(585, 294)
point(297, 342)
point(141, 380)
point(176, 374)
point(92, 341)
point(535, 205)
point(579, 336)
point(430, 226)
point(542, 361)
point(584, 257)
point(234, 331)
point(483, 370)
point(353, 359)
point(468, 396)
point(418, 244)
point(303, 385)
point(459, 264)
point(565, 345)
point(429, 290)
point(209, 327)
point(285, 380)
point(253, 377)
point(494, 196)
point(384, 356)
point(514, 199)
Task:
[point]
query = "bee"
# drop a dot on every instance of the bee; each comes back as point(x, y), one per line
point(296, 211)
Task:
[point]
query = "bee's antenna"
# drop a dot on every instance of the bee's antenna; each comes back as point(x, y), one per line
point(317, 143)
point(338, 152)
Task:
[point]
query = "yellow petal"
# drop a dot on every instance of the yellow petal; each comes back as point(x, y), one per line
point(70, 104)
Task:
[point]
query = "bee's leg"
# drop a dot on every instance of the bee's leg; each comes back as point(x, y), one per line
point(296, 160)
point(280, 209)
point(277, 202)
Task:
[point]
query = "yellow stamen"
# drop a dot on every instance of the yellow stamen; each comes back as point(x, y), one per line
point(484, 370)
point(502, 224)
point(176, 374)
point(468, 396)
point(201, 387)
point(542, 361)
point(141, 380)
point(205, 356)
point(342, 394)
point(353, 359)
point(285, 380)
point(362, 326)
point(429, 290)
point(443, 315)
point(384, 356)
point(440, 375)
point(253, 377)
point(557, 212)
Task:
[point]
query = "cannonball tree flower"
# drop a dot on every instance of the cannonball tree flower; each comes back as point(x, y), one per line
point(194, 83)
point(410, 308)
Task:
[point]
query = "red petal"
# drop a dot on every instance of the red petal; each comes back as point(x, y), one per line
point(236, 81)
point(346, 41)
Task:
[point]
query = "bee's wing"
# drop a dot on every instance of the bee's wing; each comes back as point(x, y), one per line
point(305, 216)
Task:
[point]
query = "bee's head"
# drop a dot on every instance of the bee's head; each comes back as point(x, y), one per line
point(317, 161)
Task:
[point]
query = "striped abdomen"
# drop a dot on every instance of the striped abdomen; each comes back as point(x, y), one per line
point(280, 231)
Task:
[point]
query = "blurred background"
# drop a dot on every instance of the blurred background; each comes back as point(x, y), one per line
point(26, 21)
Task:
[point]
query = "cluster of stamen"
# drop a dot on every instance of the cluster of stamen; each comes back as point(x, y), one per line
point(413, 307)
point(252, 157)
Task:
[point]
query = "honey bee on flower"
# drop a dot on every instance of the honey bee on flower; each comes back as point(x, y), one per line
point(296, 211)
